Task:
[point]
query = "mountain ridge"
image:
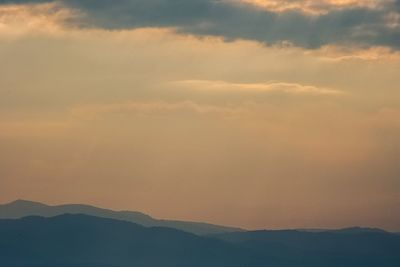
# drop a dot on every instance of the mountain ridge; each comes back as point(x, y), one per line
point(21, 208)
point(82, 240)
point(88, 241)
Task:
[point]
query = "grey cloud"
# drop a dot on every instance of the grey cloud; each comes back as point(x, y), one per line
point(352, 26)
point(397, 4)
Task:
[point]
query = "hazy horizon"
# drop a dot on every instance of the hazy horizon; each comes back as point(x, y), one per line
point(178, 219)
point(260, 114)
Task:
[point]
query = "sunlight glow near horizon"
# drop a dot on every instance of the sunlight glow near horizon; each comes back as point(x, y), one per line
point(189, 124)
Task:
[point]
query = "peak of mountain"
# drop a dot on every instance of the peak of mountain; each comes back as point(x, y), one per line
point(25, 203)
point(20, 208)
point(23, 208)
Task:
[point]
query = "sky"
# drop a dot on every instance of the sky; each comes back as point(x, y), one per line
point(261, 114)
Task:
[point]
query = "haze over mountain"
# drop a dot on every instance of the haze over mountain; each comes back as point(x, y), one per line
point(280, 117)
point(23, 208)
point(88, 241)
point(223, 111)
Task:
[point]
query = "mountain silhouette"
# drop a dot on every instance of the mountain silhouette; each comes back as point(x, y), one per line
point(23, 208)
point(83, 240)
point(88, 241)
point(351, 247)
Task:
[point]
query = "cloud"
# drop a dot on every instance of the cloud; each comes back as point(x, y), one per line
point(315, 7)
point(93, 111)
point(267, 87)
point(17, 20)
point(16, 2)
point(352, 24)
point(356, 25)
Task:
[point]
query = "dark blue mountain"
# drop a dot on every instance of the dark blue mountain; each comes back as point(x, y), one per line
point(88, 241)
point(81, 240)
point(351, 247)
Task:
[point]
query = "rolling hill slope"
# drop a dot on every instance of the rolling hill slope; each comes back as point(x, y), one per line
point(23, 208)
point(88, 241)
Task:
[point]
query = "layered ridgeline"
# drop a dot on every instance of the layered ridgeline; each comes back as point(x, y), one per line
point(23, 208)
point(88, 241)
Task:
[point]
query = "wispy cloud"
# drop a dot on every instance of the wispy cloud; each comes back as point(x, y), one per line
point(267, 87)
point(93, 111)
point(316, 7)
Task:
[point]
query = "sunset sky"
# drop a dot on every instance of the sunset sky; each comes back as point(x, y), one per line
point(251, 113)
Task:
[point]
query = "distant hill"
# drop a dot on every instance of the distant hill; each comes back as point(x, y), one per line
point(23, 208)
point(343, 230)
point(358, 230)
point(88, 241)
point(353, 247)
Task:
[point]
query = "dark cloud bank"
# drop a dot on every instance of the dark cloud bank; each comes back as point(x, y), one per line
point(352, 26)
